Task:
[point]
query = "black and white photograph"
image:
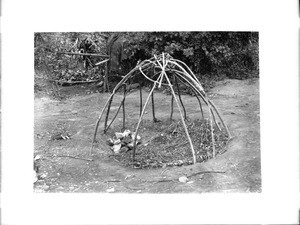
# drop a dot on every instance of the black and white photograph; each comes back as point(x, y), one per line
point(147, 112)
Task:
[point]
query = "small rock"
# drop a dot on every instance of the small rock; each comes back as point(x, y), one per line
point(35, 178)
point(130, 145)
point(46, 187)
point(180, 163)
point(124, 149)
point(126, 133)
point(100, 84)
point(119, 135)
point(190, 182)
point(43, 176)
point(110, 190)
point(126, 140)
point(116, 142)
point(128, 176)
point(37, 157)
point(110, 142)
point(116, 148)
point(201, 176)
point(183, 179)
point(138, 137)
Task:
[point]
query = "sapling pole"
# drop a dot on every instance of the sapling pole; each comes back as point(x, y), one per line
point(141, 96)
point(193, 75)
point(222, 121)
point(123, 106)
point(153, 104)
point(106, 85)
point(200, 106)
point(207, 101)
point(195, 81)
point(83, 54)
point(107, 114)
point(140, 119)
point(114, 116)
point(97, 123)
point(214, 118)
point(153, 107)
point(99, 63)
point(115, 89)
point(172, 103)
point(178, 90)
point(183, 121)
point(196, 95)
point(212, 131)
point(124, 79)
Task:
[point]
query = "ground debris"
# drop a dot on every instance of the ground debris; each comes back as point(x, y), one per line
point(123, 142)
point(170, 147)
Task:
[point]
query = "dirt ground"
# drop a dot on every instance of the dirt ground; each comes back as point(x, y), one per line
point(60, 169)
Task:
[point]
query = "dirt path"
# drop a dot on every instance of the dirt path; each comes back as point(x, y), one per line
point(237, 100)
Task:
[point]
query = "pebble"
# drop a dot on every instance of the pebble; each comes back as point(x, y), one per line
point(183, 179)
point(46, 187)
point(110, 190)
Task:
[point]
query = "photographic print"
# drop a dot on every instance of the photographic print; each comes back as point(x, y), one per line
point(147, 112)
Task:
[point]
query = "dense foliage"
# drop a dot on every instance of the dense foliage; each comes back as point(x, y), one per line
point(211, 55)
point(234, 54)
point(47, 59)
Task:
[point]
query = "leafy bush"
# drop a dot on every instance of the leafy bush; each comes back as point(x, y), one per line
point(234, 54)
point(210, 55)
point(62, 66)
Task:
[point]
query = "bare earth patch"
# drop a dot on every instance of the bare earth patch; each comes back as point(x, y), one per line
point(64, 131)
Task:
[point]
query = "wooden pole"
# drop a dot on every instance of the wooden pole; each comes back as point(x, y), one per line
point(125, 78)
point(123, 106)
point(222, 121)
point(172, 106)
point(182, 120)
point(152, 100)
point(101, 62)
point(141, 96)
point(83, 54)
point(107, 114)
point(196, 94)
point(105, 85)
point(211, 131)
point(178, 91)
point(140, 119)
point(207, 101)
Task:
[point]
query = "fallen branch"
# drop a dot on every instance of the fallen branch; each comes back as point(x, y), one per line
point(104, 61)
point(61, 82)
point(74, 157)
point(202, 172)
point(134, 189)
point(189, 176)
point(77, 82)
point(83, 54)
point(108, 181)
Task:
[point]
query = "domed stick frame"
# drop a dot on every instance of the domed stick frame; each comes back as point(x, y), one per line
point(167, 68)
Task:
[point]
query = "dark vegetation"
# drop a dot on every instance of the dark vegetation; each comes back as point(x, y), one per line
point(211, 56)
